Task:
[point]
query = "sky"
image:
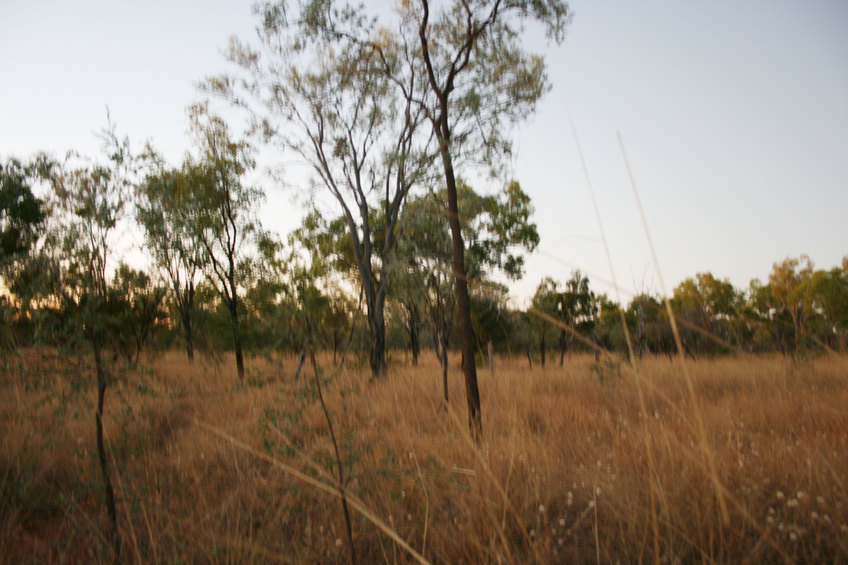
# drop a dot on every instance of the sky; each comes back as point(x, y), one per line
point(733, 116)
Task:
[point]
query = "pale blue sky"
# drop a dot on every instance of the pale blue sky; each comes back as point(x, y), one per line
point(734, 116)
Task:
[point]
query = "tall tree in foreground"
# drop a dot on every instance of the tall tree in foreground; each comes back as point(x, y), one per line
point(326, 96)
point(463, 67)
point(481, 80)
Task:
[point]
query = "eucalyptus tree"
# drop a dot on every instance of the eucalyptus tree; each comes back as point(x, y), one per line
point(828, 304)
point(89, 201)
point(22, 219)
point(498, 229)
point(709, 308)
point(221, 213)
point(790, 284)
point(317, 266)
point(21, 212)
point(463, 70)
point(545, 300)
point(649, 326)
point(480, 80)
point(163, 212)
point(423, 273)
point(139, 299)
point(327, 98)
point(578, 307)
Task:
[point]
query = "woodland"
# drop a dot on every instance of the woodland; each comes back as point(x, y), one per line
point(399, 280)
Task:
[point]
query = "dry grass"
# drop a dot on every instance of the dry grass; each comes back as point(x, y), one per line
point(571, 468)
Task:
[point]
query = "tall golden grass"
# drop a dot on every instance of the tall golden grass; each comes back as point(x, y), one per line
point(573, 467)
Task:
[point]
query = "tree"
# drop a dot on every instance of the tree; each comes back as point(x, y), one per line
point(423, 271)
point(489, 314)
point(480, 80)
point(709, 309)
point(575, 306)
point(769, 324)
point(320, 261)
point(609, 332)
point(328, 98)
point(498, 229)
point(649, 325)
point(827, 305)
point(579, 308)
point(545, 300)
point(22, 225)
point(139, 301)
point(790, 283)
point(464, 70)
point(162, 210)
point(21, 213)
point(222, 213)
point(89, 202)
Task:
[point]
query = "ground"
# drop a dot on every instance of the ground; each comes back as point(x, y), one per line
point(737, 459)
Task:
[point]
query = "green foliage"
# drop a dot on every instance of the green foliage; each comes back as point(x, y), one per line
point(827, 306)
point(708, 310)
point(575, 307)
point(139, 300)
point(649, 326)
point(497, 229)
point(207, 222)
point(88, 202)
point(163, 212)
point(489, 314)
point(8, 342)
point(21, 213)
point(481, 78)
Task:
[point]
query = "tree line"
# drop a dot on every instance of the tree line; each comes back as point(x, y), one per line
point(798, 309)
point(216, 280)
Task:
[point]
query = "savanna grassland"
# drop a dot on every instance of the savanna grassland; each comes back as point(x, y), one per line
point(581, 463)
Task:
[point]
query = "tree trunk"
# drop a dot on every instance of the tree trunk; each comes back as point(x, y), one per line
point(466, 330)
point(300, 364)
point(102, 383)
point(562, 347)
point(188, 334)
point(239, 356)
point(185, 306)
point(414, 344)
point(542, 346)
point(237, 337)
point(377, 327)
point(491, 356)
point(443, 361)
point(335, 344)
